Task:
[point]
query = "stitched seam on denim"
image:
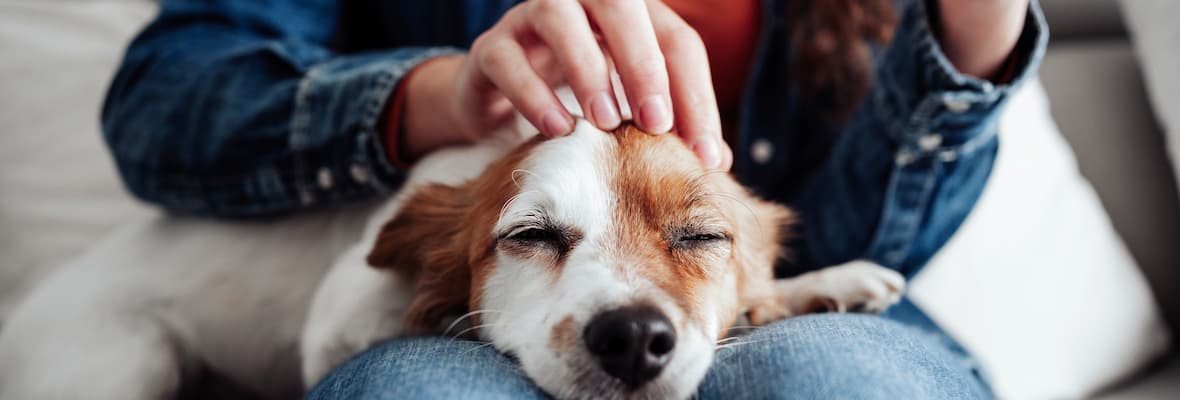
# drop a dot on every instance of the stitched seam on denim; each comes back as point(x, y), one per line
point(932, 55)
point(899, 224)
point(886, 112)
point(300, 123)
point(377, 94)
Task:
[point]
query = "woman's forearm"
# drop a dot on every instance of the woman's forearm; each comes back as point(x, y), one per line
point(979, 35)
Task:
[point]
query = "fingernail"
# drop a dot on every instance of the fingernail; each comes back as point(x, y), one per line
point(604, 112)
point(555, 124)
point(706, 149)
point(654, 115)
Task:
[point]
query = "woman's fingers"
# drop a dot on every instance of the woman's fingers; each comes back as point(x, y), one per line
point(660, 61)
point(501, 60)
point(565, 29)
point(631, 40)
point(698, 120)
point(726, 156)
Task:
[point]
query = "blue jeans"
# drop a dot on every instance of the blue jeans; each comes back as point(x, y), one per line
point(899, 355)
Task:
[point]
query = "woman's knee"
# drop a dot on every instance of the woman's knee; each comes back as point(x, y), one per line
point(427, 368)
point(841, 355)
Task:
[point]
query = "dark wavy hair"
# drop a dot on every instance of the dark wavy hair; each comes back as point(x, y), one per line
point(832, 38)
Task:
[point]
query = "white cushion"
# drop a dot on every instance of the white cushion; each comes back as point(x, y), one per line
point(1155, 33)
point(1036, 283)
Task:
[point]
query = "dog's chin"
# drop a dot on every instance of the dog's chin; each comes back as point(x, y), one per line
point(575, 377)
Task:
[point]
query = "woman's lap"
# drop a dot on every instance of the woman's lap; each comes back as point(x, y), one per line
point(816, 356)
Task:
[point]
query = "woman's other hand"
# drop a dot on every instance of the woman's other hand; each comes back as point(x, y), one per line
point(513, 66)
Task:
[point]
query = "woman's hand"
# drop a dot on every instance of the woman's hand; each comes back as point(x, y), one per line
point(660, 61)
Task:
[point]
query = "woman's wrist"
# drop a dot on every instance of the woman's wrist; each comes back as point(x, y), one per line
point(979, 35)
point(426, 121)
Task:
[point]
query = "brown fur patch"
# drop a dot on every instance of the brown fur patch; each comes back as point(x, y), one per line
point(664, 192)
point(563, 338)
point(442, 238)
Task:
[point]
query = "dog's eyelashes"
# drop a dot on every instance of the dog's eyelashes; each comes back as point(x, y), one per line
point(554, 238)
point(698, 240)
point(702, 237)
point(534, 235)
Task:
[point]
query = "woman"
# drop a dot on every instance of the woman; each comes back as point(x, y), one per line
point(872, 118)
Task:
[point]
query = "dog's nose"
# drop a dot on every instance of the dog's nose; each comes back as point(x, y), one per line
point(631, 343)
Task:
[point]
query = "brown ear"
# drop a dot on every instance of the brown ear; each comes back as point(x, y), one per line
point(765, 229)
point(425, 243)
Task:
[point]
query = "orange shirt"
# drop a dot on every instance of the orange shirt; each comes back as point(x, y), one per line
point(729, 29)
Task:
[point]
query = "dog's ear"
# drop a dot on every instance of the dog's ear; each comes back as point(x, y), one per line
point(764, 227)
point(425, 243)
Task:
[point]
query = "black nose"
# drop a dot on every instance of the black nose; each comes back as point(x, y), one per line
point(631, 343)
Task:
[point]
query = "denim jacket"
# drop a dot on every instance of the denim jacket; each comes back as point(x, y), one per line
point(239, 108)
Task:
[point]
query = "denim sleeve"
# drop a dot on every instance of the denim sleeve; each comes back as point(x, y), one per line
point(239, 108)
point(910, 165)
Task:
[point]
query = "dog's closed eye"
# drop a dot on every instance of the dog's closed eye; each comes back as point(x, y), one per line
point(539, 237)
point(699, 239)
point(534, 234)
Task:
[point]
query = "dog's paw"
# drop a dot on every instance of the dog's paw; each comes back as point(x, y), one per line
point(857, 286)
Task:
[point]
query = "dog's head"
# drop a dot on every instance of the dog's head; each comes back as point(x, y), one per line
point(608, 263)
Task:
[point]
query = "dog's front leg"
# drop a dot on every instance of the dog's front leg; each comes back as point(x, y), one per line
point(856, 286)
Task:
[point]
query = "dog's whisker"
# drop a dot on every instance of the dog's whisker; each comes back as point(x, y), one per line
point(519, 171)
point(465, 316)
point(740, 343)
point(477, 347)
point(757, 219)
point(728, 340)
point(457, 335)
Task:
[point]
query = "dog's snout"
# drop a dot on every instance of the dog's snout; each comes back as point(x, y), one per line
point(631, 343)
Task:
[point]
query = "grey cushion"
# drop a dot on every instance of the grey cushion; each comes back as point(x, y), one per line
point(1162, 382)
point(1083, 19)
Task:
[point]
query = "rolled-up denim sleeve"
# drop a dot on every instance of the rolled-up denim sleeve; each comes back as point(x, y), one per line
point(910, 165)
point(239, 108)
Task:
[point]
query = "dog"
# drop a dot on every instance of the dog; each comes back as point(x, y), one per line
point(610, 264)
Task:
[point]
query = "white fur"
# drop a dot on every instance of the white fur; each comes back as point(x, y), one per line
point(855, 284)
point(358, 305)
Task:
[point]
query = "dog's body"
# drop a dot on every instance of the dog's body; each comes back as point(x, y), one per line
point(140, 329)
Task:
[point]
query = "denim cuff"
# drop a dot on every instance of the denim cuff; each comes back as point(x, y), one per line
point(336, 140)
point(937, 110)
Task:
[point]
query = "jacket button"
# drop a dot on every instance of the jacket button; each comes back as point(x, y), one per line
point(324, 178)
point(761, 151)
point(956, 106)
point(358, 173)
point(930, 142)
